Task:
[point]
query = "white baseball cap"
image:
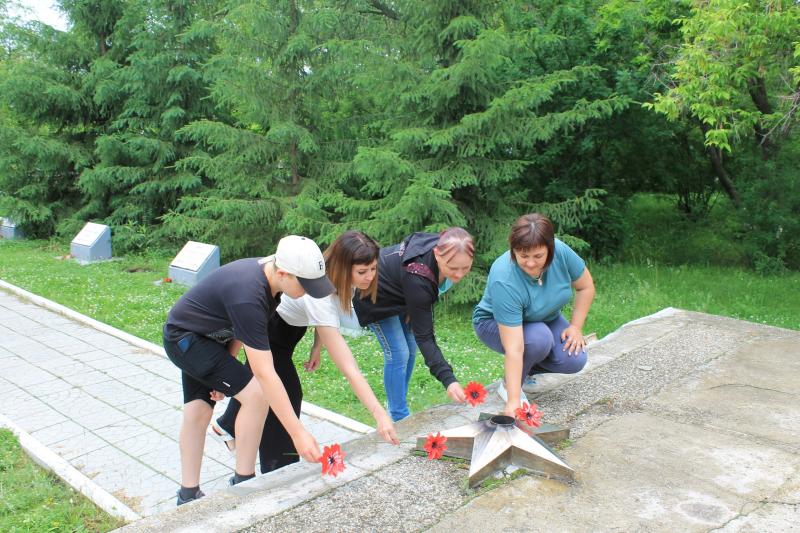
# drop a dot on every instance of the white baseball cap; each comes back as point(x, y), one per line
point(302, 257)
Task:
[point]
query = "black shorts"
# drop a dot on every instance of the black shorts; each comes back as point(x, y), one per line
point(206, 365)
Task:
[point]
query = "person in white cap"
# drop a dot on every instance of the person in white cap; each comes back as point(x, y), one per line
point(204, 332)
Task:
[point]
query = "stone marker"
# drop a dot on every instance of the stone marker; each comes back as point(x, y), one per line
point(92, 243)
point(496, 443)
point(9, 230)
point(195, 261)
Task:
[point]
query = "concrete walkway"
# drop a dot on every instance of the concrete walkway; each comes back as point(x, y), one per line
point(110, 407)
point(682, 422)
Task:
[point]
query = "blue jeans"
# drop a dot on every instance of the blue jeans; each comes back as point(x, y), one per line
point(544, 350)
point(399, 353)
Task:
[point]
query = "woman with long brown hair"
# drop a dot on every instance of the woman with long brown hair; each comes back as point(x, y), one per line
point(413, 274)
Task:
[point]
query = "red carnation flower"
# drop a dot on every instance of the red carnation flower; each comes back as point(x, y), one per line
point(530, 414)
point(475, 393)
point(332, 460)
point(435, 445)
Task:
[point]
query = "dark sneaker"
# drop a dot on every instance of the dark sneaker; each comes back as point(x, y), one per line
point(197, 495)
point(232, 481)
point(530, 385)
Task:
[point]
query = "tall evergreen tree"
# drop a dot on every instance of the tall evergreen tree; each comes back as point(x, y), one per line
point(150, 83)
point(282, 74)
point(49, 122)
point(477, 96)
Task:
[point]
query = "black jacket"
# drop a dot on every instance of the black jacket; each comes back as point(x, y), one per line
point(406, 294)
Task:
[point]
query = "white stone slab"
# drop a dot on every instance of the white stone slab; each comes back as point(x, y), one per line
point(89, 234)
point(194, 262)
point(9, 230)
point(92, 243)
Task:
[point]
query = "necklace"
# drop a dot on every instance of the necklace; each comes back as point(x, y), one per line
point(539, 279)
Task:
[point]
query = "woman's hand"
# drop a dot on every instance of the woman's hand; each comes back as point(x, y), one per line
point(313, 359)
point(306, 446)
point(386, 428)
point(510, 409)
point(575, 343)
point(456, 392)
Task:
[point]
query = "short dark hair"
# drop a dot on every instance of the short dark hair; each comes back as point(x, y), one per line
point(532, 231)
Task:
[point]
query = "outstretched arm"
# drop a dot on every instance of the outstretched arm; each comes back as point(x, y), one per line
point(420, 295)
point(512, 340)
point(343, 359)
point(275, 393)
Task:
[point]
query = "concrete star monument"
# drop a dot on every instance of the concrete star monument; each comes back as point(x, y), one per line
point(495, 442)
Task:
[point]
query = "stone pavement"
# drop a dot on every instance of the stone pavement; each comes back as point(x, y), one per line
point(112, 409)
point(683, 422)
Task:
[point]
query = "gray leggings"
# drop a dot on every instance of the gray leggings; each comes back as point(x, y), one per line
point(544, 350)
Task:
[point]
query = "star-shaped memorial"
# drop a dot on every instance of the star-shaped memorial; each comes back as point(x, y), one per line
point(496, 442)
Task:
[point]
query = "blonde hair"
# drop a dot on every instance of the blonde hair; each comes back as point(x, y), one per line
point(453, 241)
point(350, 248)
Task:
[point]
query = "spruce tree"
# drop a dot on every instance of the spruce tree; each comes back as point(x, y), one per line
point(48, 122)
point(284, 73)
point(470, 108)
point(150, 84)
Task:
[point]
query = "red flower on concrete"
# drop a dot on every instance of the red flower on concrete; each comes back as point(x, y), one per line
point(475, 393)
point(435, 445)
point(332, 460)
point(530, 414)
point(167, 280)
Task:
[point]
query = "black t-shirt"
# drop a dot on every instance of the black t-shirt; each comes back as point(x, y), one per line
point(234, 301)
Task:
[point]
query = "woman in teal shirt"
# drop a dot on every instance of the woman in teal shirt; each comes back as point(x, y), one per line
point(520, 312)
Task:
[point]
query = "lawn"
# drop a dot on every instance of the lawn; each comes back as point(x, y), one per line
point(45, 504)
point(127, 294)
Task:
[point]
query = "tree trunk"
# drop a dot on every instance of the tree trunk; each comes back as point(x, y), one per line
point(715, 155)
point(758, 93)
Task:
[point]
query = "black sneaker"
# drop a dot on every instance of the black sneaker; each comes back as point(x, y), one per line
point(197, 495)
point(232, 481)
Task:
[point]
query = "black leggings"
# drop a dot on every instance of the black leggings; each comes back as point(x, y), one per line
point(276, 449)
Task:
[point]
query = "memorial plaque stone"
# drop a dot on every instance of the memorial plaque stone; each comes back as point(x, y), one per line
point(92, 243)
point(9, 230)
point(195, 261)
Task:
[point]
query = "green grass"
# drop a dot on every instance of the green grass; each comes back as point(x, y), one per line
point(658, 232)
point(123, 293)
point(32, 499)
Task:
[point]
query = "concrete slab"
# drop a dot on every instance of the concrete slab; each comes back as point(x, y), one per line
point(753, 391)
point(639, 473)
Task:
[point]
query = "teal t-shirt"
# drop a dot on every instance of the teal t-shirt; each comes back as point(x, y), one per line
point(512, 297)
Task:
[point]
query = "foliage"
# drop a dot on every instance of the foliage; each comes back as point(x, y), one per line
point(45, 124)
point(237, 122)
point(734, 71)
point(736, 74)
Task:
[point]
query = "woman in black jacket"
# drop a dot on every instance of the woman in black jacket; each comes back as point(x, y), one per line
point(411, 277)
